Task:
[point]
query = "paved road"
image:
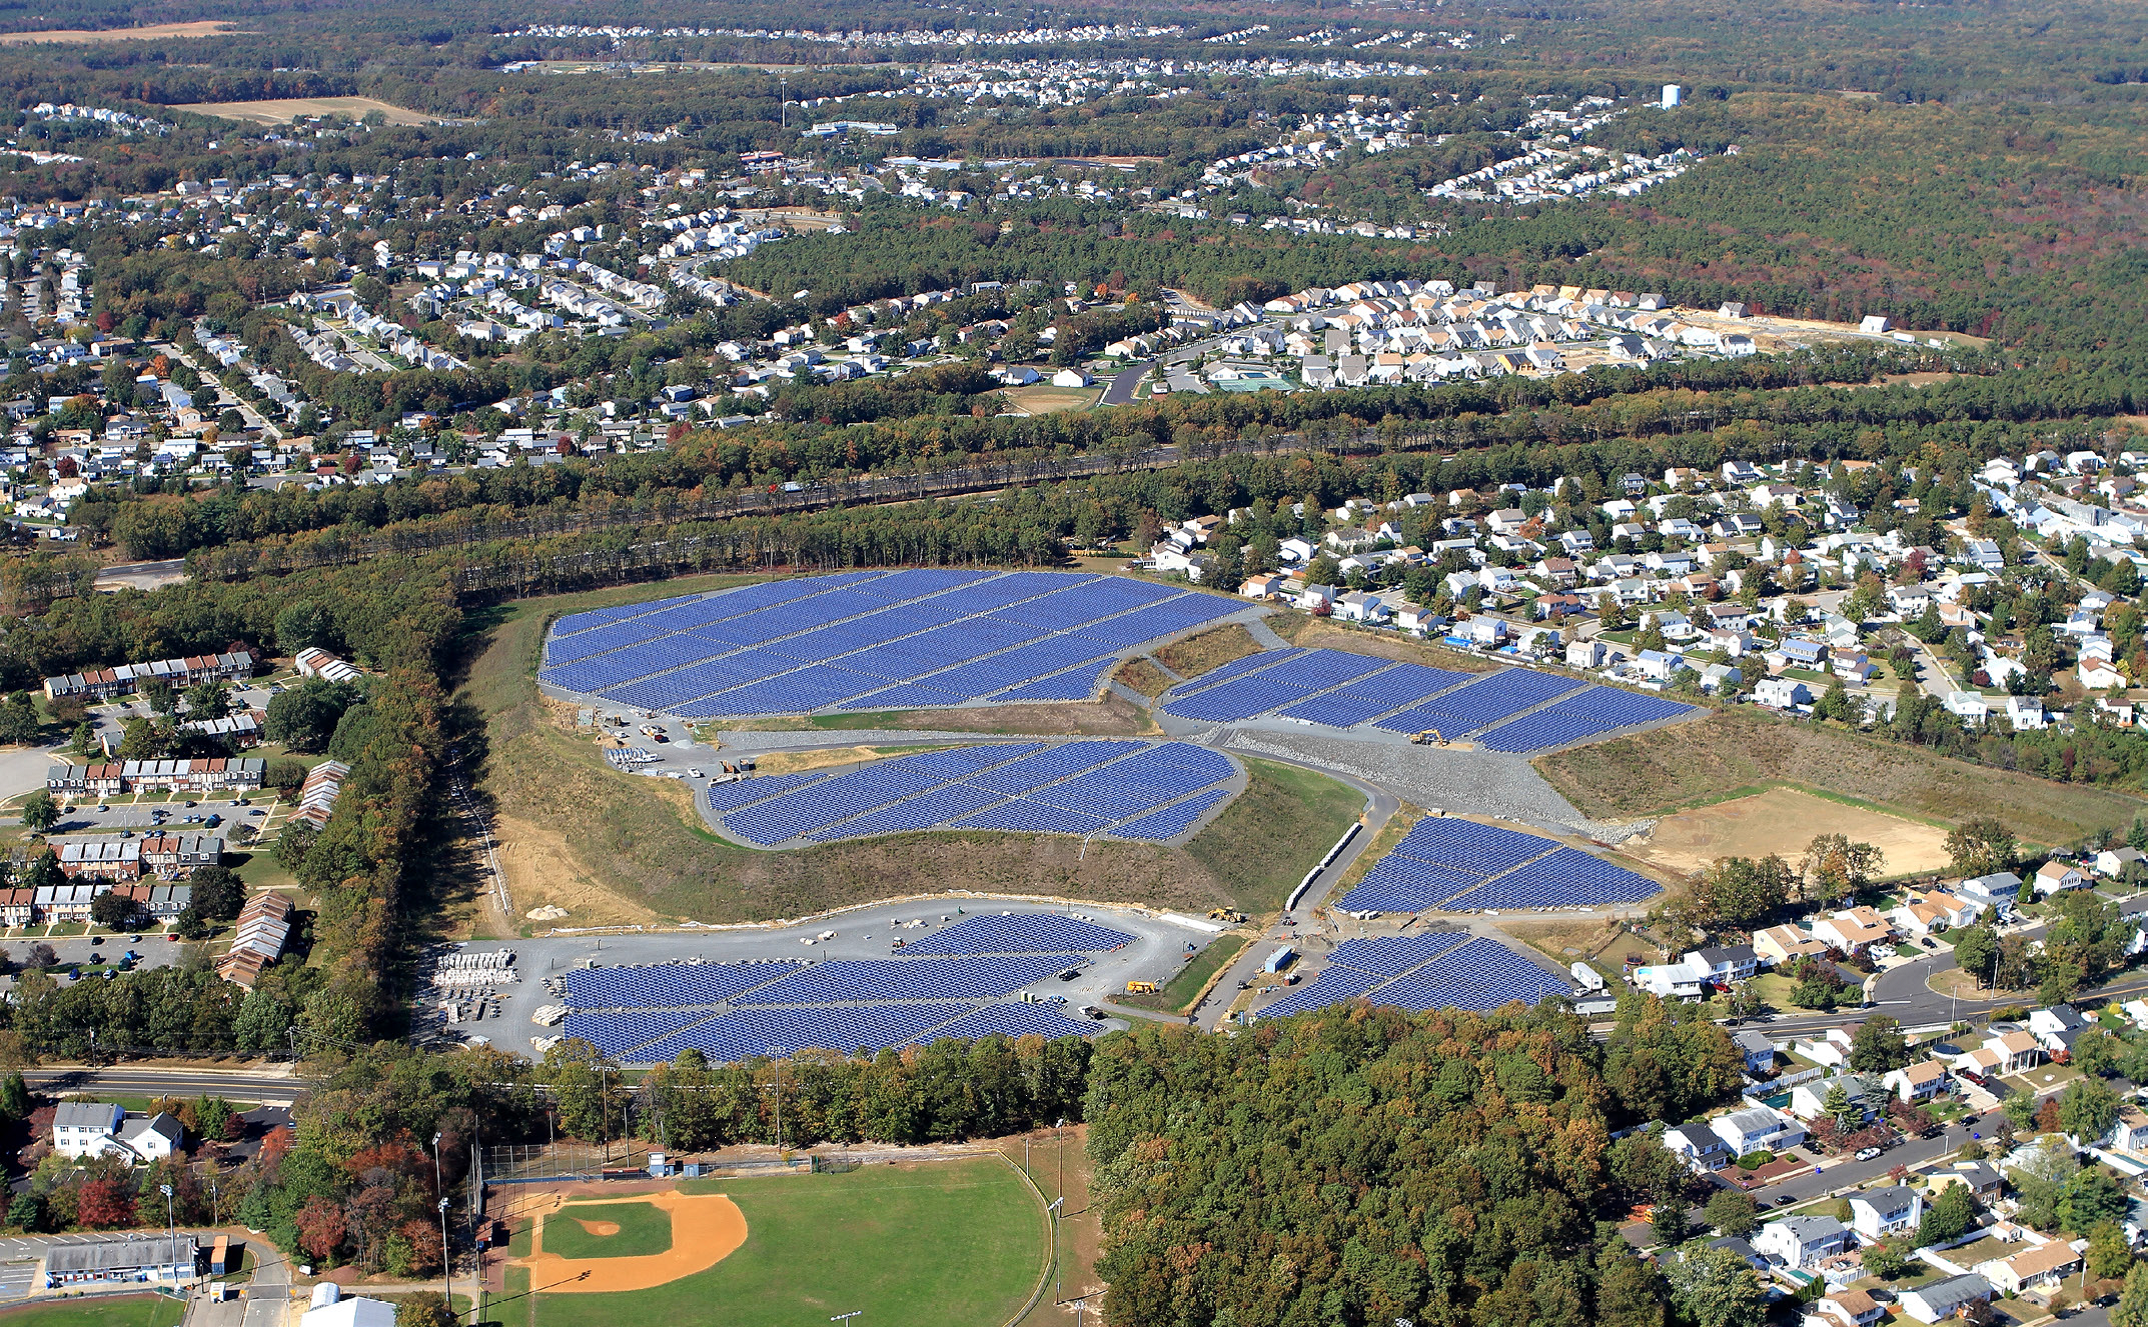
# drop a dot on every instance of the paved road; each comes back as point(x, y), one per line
point(143, 575)
point(265, 1086)
point(1379, 805)
point(1847, 1174)
point(1121, 390)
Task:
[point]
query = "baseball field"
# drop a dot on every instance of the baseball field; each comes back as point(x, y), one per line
point(935, 1245)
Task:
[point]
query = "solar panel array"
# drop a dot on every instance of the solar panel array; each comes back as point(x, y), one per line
point(1337, 689)
point(1460, 866)
point(869, 640)
point(1439, 970)
point(1128, 788)
point(953, 983)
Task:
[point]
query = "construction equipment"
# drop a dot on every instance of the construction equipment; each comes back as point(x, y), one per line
point(1225, 915)
point(1429, 737)
point(1141, 988)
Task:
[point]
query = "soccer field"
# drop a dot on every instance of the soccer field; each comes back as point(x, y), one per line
point(951, 1245)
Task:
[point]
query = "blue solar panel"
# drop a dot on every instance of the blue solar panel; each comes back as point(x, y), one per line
point(1075, 684)
point(949, 978)
point(1480, 975)
point(1332, 986)
point(1170, 822)
point(1487, 700)
point(749, 1033)
point(1241, 698)
point(1020, 816)
point(1020, 933)
point(615, 1032)
point(1567, 878)
point(1012, 1020)
point(726, 796)
point(1596, 710)
point(667, 984)
point(1236, 668)
point(1391, 956)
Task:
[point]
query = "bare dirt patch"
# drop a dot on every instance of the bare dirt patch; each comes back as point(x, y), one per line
point(791, 762)
point(543, 871)
point(1208, 651)
point(598, 1227)
point(159, 32)
point(286, 110)
point(1781, 821)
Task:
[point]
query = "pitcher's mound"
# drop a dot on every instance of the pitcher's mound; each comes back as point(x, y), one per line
point(598, 1227)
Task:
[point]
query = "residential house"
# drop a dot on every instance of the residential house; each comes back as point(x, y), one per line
point(1953, 1297)
point(95, 1128)
point(2112, 862)
point(2057, 1028)
point(1697, 1146)
point(1853, 928)
point(1877, 1214)
point(1998, 891)
point(2054, 876)
point(1759, 1052)
point(1846, 1308)
point(1780, 944)
point(1808, 1100)
point(1830, 1048)
point(1801, 1241)
point(1981, 1178)
point(2129, 1133)
point(1934, 910)
point(1757, 1129)
point(1726, 963)
point(2033, 1271)
point(1781, 693)
point(1918, 1082)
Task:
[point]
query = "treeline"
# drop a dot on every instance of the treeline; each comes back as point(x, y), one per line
point(945, 1091)
point(1366, 1165)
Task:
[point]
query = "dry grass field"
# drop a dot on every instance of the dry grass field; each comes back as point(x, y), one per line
point(1732, 754)
point(1144, 677)
point(1208, 651)
point(1781, 821)
point(298, 108)
point(158, 32)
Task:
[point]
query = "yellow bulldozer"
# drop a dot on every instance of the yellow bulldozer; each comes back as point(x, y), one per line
point(1141, 988)
point(1429, 737)
point(1225, 915)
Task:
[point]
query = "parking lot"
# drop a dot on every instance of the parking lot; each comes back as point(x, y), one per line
point(176, 815)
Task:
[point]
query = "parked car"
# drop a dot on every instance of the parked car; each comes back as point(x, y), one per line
point(1868, 1154)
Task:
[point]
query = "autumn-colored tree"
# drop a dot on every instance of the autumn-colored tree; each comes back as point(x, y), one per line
point(106, 1202)
point(424, 1239)
point(320, 1227)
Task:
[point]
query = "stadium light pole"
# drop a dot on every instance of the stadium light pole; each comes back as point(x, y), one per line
point(447, 1266)
point(1058, 1270)
point(776, 1053)
point(171, 1231)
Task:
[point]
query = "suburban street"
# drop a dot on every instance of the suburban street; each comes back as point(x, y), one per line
point(264, 1086)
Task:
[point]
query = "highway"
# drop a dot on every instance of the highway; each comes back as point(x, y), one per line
point(265, 1087)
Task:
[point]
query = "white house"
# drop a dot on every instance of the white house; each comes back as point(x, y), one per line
point(1697, 1146)
point(2052, 877)
point(95, 1128)
point(2037, 1269)
point(1877, 1214)
point(1800, 1241)
point(1918, 1082)
point(1781, 693)
point(1939, 1300)
point(1757, 1129)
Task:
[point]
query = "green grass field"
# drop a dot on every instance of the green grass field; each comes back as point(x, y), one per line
point(119, 1311)
point(642, 1230)
point(958, 1245)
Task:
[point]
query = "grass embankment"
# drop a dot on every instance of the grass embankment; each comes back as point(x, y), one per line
point(1393, 832)
point(618, 848)
point(1734, 754)
point(1179, 993)
point(628, 1230)
point(961, 1242)
point(1208, 651)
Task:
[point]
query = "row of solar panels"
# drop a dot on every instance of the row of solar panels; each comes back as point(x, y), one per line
point(913, 639)
point(1337, 689)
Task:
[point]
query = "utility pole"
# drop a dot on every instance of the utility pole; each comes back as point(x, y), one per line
point(783, 109)
point(776, 1053)
point(171, 1231)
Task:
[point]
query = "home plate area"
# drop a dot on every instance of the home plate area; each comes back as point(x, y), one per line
point(704, 1229)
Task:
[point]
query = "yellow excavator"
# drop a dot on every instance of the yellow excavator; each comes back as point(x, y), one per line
point(1429, 737)
point(1141, 988)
